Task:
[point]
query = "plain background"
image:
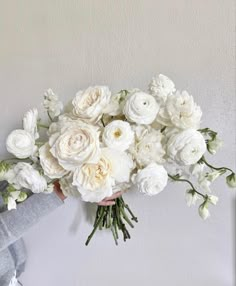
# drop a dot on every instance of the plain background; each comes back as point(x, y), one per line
point(69, 45)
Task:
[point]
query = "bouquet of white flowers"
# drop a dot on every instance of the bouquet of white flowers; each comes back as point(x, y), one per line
point(104, 143)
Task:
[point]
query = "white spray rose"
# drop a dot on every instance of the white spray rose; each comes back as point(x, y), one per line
point(141, 108)
point(160, 87)
point(89, 104)
point(30, 121)
point(180, 111)
point(118, 135)
point(186, 147)
point(151, 180)
point(25, 176)
point(148, 146)
point(214, 145)
point(50, 164)
point(94, 181)
point(52, 104)
point(75, 144)
point(21, 144)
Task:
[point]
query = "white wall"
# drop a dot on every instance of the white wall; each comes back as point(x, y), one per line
point(67, 45)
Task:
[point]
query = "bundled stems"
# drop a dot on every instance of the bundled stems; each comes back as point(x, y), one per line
point(114, 218)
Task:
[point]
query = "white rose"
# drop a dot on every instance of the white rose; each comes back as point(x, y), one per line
point(25, 176)
point(160, 87)
point(30, 121)
point(151, 180)
point(89, 104)
point(186, 147)
point(148, 146)
point(121, 164)
point(21, 144)
point(118, 135)
point(94, 181)
point(75, 144)
point(180, 111)
point(52, 104)
point(50, 164)
point(141, 108)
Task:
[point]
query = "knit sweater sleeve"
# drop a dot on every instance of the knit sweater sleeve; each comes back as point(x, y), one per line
point(14, 223)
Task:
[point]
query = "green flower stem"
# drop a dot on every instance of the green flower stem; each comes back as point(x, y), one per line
point(42, 126)
point(186, 181)
point(215, 168)
point(50, 117)
point(103, 123)
point(129, 210)
point(96, 226)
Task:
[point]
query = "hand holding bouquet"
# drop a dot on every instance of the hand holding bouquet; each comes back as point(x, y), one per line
point(107, 143)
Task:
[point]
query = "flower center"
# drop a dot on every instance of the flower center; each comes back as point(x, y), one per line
point(117, 133)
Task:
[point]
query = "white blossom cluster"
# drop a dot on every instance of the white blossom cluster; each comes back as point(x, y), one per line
point(107, 141)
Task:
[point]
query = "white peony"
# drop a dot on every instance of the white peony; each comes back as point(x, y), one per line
point(75, 144)
point(25, 176)
point(94, 181)
point(180, 111)
point(151, 180)
point(52, 104)
point(21, 144)
point(160, 87)
point(30, 121)
point(89, 104)
point(186, 147)
point(50, 164)
point(118, 135)
point(141, 108)
point(148, 146)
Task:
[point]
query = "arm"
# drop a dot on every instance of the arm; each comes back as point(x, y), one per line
point(14, 223)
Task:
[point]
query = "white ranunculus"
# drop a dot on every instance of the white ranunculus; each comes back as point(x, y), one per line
point(141, 108)
point(66, 186)
point(148, 146)
point(214, 145)
point(121, 164)
point(50, 164)
point(94, 181)
point(21, 144)
point(160, 87)
point(191, 197)
point(75, 144)
point(52, 104)
point(203, 211)
point(25, 176)
point(180, 111)
point(89, 104)
point(30, 121)
point(118, 135)
point(186, 147)
point(151, 180)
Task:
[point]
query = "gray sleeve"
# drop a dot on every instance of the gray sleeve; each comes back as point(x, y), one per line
point(14, 223)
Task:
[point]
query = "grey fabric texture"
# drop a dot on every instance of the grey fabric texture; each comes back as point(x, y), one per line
point(14, 224)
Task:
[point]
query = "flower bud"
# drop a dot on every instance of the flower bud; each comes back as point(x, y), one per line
point(203, 211)
point(214, 145)
point(231, 180)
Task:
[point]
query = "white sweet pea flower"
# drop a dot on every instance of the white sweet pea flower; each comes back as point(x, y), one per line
point(30, 121)
point(197, 169)
point(89, 104)
point(231, 180)
point(25, 176)
point(186, 147)
point(116, 104)
point(118, 135)
point(11, 203)
point(212, 199)
point(203, 211)
point(94, 181)
point(180, 111)
point(52, 104)
point(214, 145)
point(191, 197)
point(151, 180)
point(160, 87)
point(75, 144)
point(141, 108)
point(147, 147)
point(21, 144)
point(214, 175)
point(204, 183)
point(50, 164)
